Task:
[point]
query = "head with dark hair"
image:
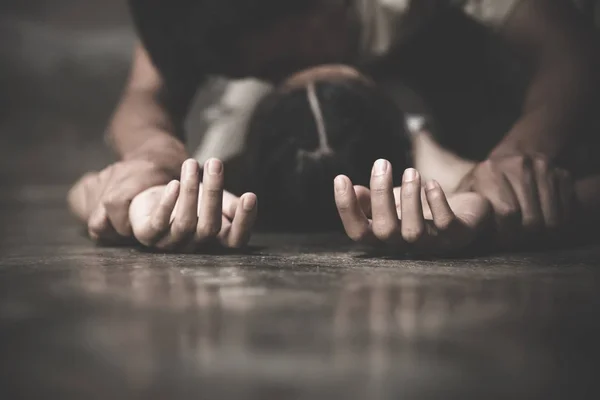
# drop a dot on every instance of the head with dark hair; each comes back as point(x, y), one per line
point(324, 122)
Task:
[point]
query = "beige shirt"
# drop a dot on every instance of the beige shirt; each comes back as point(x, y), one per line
point(384, 25)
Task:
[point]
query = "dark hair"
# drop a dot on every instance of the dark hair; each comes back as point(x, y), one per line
point(293, 172)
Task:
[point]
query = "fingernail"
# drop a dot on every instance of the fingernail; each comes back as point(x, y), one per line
point(214, 167)
point(432, 185)
point(380, 167)
point(189, 168)
point(340, 185)
point(249, 203)
point(410, 175)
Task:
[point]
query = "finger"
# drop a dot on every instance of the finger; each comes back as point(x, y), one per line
point(443, 216)
point(355, 222)
point(160, 220)
point(99, 227)
point(116, 202)
point(245, 217)
point(496, 188)
point(525, 189)
point(386, 226)
point(566, 192)
point(186, 211)
point(364, 199)
point(117, 211)
point(211, 205)
point(230, 205)
point(413, 222)
point(548, 191)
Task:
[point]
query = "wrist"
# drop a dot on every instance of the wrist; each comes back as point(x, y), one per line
point(165, 151)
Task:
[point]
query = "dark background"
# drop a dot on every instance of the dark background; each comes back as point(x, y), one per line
point(62, 66)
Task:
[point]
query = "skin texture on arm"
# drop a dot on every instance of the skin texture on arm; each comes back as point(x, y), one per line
point(148, 121)
point(560, 48)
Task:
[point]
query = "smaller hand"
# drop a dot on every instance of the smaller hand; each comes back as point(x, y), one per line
point(529, 196)
point(407, 218)
point(186, 215)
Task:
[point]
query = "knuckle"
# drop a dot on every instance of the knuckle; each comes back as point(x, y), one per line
point(508, 212)
point(208, 229)
point(114, 200)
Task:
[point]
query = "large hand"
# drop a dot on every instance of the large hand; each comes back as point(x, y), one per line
point(186, 215)
point(529, 196)
point(102, 200)
point(407, 219)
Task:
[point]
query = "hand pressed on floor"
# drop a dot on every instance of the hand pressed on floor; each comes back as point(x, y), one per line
point(531, 197)
point(102, 199)
point(409, 218)
point(187, 214)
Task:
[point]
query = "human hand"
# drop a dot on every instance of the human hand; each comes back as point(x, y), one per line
point(409, 218)
point(529, 196)
point(185, 215)
point(102, 199)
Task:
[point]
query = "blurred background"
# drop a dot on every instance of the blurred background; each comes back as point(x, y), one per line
point(63, 64)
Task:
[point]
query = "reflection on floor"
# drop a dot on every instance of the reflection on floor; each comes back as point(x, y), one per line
point(298, 317)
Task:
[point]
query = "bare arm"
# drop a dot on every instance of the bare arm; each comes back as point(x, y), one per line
point(147, 124)
point(563, 57)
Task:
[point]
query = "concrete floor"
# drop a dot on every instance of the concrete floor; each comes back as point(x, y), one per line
point(296, 317)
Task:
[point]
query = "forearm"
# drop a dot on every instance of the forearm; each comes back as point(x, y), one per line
point(149, 119)
point(142, 129)
point(555, 114)
point(560, 51)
